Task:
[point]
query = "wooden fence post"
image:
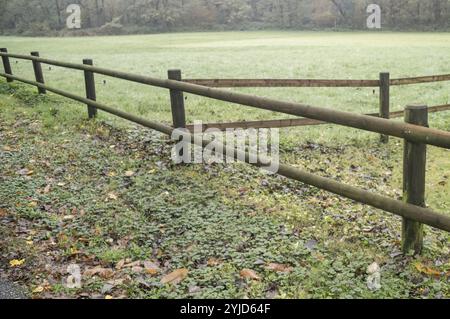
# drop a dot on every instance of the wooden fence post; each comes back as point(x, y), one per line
point(177, 105)
point(90, 88)
point(177, 102)
point(38, 73)
point(6, 64)
point(385, 100)
point(414, 171)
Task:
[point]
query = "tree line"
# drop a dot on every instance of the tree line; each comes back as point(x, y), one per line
point(48, 17)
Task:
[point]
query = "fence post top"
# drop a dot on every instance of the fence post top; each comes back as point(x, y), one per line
point(88, 61)
point(384, 73)
point(3, 50)
point(413, 107)
point(35, 53)
point(174, 74)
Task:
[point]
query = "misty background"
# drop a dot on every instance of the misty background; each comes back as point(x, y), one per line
point(48, 17)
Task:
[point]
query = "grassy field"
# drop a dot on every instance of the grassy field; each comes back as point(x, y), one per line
point(79, 204)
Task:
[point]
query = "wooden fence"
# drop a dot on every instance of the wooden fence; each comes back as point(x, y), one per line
point(415, 133)
point(384, 83)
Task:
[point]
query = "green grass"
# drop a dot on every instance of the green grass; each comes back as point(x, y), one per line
point(171, 214)
point(258, 55)
point(249, 55)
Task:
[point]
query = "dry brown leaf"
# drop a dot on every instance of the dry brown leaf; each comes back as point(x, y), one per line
point(213, 262)
point(25, 172)
point(120, 264)
point(3, 212)
point(98, 271)
point(151, 268)
point(137, 269)
point(47, 189)
point(129, 173)
point(38, 290)
point(249, 274)
point(133, 264)
point(175, 277)
point(112, 196)
point(279, 268)
point(427, 270)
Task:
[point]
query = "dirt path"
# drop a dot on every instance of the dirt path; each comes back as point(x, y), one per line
point(9, 290)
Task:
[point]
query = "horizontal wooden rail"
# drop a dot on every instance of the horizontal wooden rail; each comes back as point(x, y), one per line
point(397, 207)
point(249, 83)
point(293, 122)
point(230, 83)
point(267, 83)
point(256, 124)
point(409, 132)
point(422, 79)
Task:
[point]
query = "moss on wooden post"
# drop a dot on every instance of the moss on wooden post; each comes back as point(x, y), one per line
point(90, 89)
point(414, 171)
point(177, 102)
point(6, 64)
point(38, 74)
point(385, 88)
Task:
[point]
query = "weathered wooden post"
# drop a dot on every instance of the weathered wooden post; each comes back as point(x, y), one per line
point(6, 64)
point(385, 84)
point(177, 102)
point(38, 73)
point(414, 171)
point(90, 88)
point(177, 105)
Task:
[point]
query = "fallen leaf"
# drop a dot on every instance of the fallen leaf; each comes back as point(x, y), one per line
point(129, 173)
point(373, 268)
point(133, 264)
point(47, 189)
point(194, 289)
point(3, 212)
point(279, 268)
point(427, 270)
point(112, 196)
point(107, 288)
point(38, 290)
point(213, 262)
point(151, 268)
point(249, 274)
point(25, 171)
point(98, 271)
point(137, 269)
point(175, 277)
point(33, 204)
point(16, 262)
point(120, 264)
